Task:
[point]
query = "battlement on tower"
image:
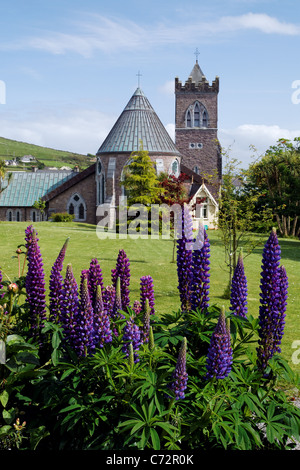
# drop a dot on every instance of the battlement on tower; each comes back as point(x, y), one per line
point(202, 86)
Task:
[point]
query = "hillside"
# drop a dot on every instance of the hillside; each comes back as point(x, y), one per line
point(12, 149)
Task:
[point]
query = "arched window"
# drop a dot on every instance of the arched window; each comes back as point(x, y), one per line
point(196, 115)
point(18, 216)
point(76, 206)
point(9, 216)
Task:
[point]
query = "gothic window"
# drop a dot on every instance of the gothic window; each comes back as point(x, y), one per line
point(76, 206)
point(18, 216)
point(9, 216)
point(196, 115)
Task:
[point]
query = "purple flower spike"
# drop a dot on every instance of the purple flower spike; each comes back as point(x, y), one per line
point(131, 335)
point(95, 278)
point(109, 295)
point(85, 320)
point(180, 376)
point(69, 307)
point(145, 330)
point(219, 356)
point(122, 271)
point(35, 283)
point(201, 265)
point(238, 296)
point(147, 292)
point(55, 284)
point(274, 285)
point(102, 329)
point(184, 257)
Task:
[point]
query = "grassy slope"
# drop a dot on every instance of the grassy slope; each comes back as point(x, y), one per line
point(10, 149)
point(153, 257)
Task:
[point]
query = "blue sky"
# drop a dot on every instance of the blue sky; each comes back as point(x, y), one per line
point(70, 66)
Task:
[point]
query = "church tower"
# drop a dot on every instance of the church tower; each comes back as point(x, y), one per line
point(196, 123)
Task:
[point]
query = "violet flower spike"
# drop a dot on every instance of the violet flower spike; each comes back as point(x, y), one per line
point(85, 320)
point(69, 307)
point(200, 271)
point(184, 257)
point(147, 292)
point(131, 336)
point(35, 283)
point(238, 296)
point(95, 278)
point(55, 284)
point(102, 329)
point(180, 375)
point(122, 271)
point(272, 302)
point(219, 356)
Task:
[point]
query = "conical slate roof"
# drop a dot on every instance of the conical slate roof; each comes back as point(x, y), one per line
point(197, 73)
point(138, 122)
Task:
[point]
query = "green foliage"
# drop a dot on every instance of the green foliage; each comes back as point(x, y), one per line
point(275, 179)
point(140, 181)
point(62, 217)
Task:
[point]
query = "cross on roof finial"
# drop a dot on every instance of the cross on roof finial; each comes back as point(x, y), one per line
point(197, 53)
point(139, 75)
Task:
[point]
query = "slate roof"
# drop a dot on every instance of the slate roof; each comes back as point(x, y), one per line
point(197, 73)
point(138, 122)
point(25, 188)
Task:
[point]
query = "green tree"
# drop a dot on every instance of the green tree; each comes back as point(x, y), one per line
point(238, 217)
point(140, 181)
point(276, 179)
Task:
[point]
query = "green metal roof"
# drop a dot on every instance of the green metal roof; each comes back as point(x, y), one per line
point(25, 188)
point(138, 122)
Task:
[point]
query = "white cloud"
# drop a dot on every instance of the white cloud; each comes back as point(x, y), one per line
point(239, 141)
point(78, 131)
point(117, 34)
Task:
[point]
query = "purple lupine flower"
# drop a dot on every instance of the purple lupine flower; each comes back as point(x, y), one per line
point(95, 278)
point(115, 312)
point(184, 257)
point(122, 271)
point(137, 307)
point(238, 296)
point(272, 302)
point(84, 320)
point(55, 284)
point(35, 283)
point(147, 292)
point(282, 307)
point(219, 356)
point(102, 329)
point(108, 297)
point(180, 375)
point(200, 271)
point(69, 307)
point(131, 335)
point(145, 329)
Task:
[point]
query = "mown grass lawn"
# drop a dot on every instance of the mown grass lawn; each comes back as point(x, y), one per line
point(154, 258)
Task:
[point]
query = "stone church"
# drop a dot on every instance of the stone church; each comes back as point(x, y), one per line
point(196, 152)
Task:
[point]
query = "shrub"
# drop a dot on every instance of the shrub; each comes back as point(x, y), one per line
point(62, 217)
